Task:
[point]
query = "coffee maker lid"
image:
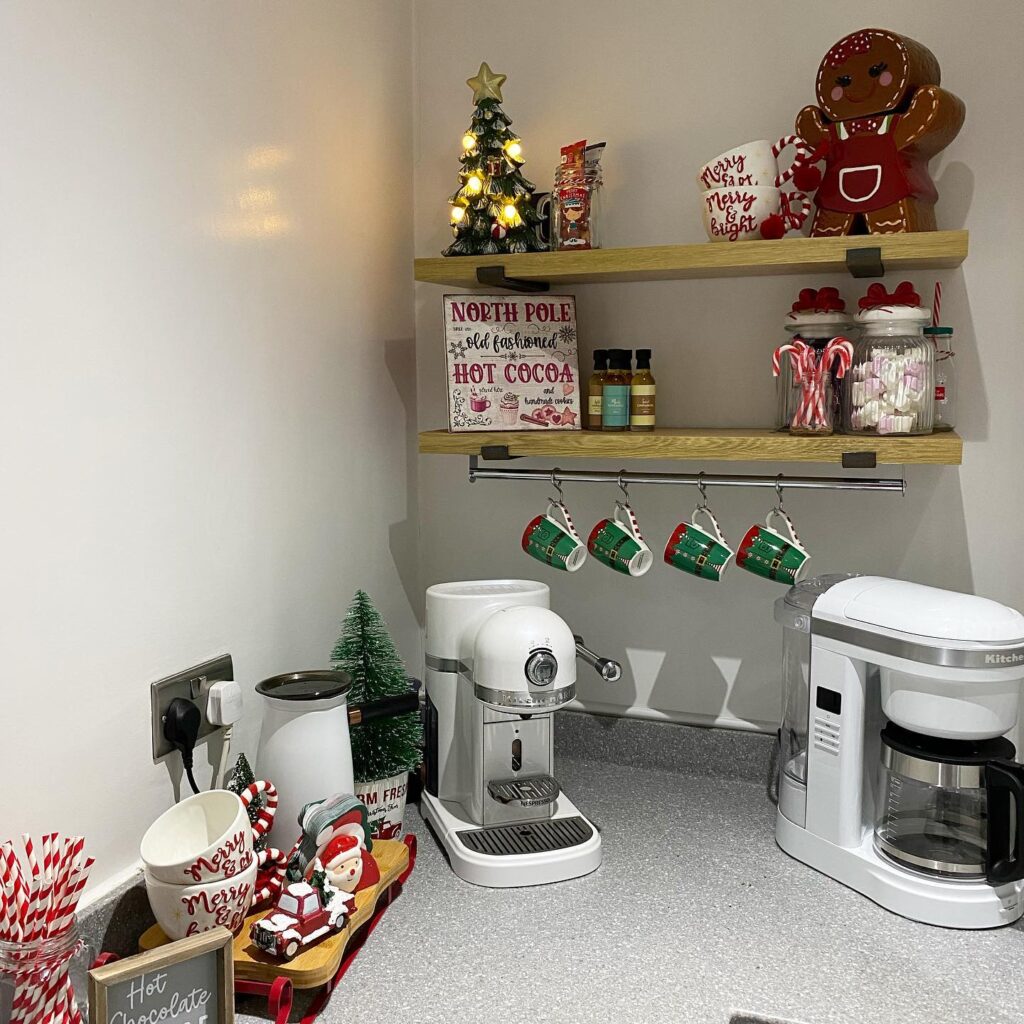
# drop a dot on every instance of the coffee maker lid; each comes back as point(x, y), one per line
point(928, 612)
point(314, 685)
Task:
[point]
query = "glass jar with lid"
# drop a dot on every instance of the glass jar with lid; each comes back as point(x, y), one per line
point(890, 388)
point(817, 316)
point(576, 198)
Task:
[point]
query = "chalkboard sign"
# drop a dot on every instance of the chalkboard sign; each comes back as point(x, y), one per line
point(186, 982)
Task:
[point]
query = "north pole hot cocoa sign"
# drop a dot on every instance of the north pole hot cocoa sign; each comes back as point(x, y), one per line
point(511, 362)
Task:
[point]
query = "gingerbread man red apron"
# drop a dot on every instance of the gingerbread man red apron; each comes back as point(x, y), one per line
point(865, 171)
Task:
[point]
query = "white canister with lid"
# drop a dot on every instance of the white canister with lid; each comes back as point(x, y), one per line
point(304, 746)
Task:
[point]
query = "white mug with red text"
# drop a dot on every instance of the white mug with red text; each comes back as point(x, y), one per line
point(755, 163)
point(739, 212)
point(183, 910)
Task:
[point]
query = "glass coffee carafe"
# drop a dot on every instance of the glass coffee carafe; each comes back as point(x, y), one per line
point(951, 808)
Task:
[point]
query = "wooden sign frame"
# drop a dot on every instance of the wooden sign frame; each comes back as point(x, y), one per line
point(218, 940)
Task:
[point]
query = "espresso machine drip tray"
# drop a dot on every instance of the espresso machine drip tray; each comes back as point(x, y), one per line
point(532, 837)
point(526, 791)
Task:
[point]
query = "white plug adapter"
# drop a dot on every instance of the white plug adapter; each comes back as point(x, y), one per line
point(224, 703)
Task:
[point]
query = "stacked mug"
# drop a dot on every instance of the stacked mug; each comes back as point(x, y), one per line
point(200, 865)
point(742, 195)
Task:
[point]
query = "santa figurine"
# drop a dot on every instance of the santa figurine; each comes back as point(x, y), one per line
point(343, 861)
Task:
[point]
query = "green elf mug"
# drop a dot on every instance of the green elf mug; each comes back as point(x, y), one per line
point(555, 543)
point(702, 553)
point(618, 543)
point(773, 554)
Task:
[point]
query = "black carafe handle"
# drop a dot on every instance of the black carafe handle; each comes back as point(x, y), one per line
point(1004, 794)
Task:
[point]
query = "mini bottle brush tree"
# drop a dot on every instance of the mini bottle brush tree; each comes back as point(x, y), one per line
point(491, 211)
point(366, 652)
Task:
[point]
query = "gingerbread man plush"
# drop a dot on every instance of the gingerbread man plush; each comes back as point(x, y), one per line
point(881, 117)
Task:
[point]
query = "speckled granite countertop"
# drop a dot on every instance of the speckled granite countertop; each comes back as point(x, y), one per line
point(694, 915)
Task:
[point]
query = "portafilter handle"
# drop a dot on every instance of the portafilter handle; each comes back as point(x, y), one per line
point(610, 671)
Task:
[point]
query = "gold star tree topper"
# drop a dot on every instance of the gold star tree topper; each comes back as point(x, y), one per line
point(486, 85)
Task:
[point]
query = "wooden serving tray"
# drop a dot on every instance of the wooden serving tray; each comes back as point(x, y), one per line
point(319, 964)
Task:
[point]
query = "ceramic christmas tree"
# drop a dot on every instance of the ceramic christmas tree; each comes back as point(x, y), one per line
point(490, 210)
point(390, 746)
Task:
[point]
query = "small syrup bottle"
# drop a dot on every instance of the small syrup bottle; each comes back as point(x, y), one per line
point(615, 396)
point(595, 388)
point(642, 393)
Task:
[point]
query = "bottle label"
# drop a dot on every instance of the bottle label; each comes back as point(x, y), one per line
point(594, 405)
point(641, 405)
point(615, 407)
point(940, 392)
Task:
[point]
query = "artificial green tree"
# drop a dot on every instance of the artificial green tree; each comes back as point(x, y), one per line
point(491, 210)
point(389, 746)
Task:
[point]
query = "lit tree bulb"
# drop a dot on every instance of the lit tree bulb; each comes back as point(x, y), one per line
point(509, 212)
point(468, 141)
point(458, 212)
point(514, 149)
point(474, 184)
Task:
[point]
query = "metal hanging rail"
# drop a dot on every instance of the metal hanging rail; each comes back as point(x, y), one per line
point(780, 480)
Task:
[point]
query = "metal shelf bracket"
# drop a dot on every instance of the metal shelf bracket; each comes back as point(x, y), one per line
point(865, 262)
point(494, 277)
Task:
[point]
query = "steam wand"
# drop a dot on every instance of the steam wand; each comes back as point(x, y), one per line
point(610, 671)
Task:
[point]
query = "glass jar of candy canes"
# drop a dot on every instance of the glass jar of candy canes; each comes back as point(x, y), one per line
point(891, 385)
point(815, 329)
point(45, 980)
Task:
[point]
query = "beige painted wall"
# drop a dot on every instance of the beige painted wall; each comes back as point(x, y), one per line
point(669, 85)
point(208, 396)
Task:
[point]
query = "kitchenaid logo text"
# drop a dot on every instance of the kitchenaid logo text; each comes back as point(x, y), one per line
point(1003, 659)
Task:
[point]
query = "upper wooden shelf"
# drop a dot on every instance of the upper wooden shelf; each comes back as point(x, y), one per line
point(857, 254)
point(747, 445)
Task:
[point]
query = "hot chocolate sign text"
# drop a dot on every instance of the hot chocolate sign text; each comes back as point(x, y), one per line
point(511, 362)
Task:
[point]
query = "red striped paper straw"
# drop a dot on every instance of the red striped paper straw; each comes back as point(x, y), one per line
point(937, 304)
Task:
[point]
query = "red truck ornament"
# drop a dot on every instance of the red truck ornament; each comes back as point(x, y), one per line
point(299, 919)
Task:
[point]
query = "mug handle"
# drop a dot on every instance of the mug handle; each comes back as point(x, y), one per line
point(803, 151)
point(716, 529)
point(794, 218)
point(265, 821)
point(632, 526)
point(559, 507)
point(487, 403)
point(790, 528)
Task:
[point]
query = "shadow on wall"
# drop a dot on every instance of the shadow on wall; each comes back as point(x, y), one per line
point(399, 356)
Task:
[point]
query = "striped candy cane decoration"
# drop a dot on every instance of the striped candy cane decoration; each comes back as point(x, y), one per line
point(265, 820)
point(272, 886)
point(802, 153)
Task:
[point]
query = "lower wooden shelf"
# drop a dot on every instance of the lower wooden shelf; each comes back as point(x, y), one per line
point(727, 445)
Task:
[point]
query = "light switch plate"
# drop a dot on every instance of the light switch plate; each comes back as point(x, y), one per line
point(193, 684)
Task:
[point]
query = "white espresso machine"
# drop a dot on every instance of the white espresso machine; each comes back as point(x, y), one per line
point(896, 778)
point(499, 663)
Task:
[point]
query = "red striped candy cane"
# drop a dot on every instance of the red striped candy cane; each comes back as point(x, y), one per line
point(265, 820)
point(777, 357)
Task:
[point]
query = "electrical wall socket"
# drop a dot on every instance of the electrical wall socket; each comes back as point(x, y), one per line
point(193, 684)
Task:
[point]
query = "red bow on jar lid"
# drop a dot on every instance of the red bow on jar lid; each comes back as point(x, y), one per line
point(904, 295)
point(822, 300)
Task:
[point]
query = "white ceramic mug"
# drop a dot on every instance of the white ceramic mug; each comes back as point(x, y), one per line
point(754, 163)
point(738, 213)
point(202, 839)
point(183, 910)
